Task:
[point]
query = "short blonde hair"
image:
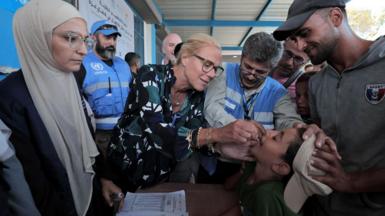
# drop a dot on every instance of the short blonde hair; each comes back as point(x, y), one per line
point(195, 42)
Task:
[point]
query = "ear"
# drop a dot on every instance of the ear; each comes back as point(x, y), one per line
point(336, 16)
point(184, 60)
point(281, 168)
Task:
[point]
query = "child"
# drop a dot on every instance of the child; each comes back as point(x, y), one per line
point(261, 184)
point(301, 98)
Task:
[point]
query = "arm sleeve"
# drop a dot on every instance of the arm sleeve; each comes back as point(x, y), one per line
point(20, 198)
point(46, 193)
point(145, 104)
point(4, 206)
point(214, 109)
point(285, 114)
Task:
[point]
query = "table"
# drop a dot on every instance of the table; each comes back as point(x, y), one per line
point(201, 199)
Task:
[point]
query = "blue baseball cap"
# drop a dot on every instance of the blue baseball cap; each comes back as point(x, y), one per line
point(105, 27)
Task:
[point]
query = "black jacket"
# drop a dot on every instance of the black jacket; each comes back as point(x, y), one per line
point(43, 170)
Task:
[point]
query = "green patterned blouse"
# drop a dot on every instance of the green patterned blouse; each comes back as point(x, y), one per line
point(149, 138)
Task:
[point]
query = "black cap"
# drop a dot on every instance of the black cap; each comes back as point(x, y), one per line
point(299, 12)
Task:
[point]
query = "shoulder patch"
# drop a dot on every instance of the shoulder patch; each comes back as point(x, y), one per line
point(375, 93)
point(96, 66)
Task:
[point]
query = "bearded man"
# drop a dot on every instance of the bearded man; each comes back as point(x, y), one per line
point(105, 82)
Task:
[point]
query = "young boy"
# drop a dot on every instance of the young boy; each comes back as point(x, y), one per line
point(302, 99)
point(261, 184)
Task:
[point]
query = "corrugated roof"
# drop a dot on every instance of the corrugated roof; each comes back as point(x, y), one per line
point(229, 21)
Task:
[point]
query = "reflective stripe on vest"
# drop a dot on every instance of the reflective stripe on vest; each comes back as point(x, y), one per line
point(92, 88)
point(106, 123)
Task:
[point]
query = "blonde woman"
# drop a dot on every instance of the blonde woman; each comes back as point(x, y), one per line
point(163, 123)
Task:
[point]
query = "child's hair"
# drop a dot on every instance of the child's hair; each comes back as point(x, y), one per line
point(305, 77)
point(291, 152)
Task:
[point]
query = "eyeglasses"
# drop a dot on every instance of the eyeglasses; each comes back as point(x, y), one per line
point(249, 69)
point(298, 60)
point(75, 41)
point(208, 65)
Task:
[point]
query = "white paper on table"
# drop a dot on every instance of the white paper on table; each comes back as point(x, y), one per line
point(155, 204)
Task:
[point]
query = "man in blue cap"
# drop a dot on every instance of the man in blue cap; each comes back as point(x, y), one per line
point(347, 98)
point(106, 80)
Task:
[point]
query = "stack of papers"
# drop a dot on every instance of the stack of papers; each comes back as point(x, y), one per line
point(154, 204)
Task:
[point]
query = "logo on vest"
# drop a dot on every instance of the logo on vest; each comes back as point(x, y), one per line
point(96, 66)
point(375, 93)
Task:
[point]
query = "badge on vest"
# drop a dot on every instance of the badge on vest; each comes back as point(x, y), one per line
point(375, 93)
point(96, 66)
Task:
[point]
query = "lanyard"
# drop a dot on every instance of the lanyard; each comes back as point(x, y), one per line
point(249, 105)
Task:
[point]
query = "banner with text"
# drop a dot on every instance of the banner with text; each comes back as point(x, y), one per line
point(117, 12)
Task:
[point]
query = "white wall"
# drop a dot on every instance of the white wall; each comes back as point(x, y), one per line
point(117, 12)
point(148, 44)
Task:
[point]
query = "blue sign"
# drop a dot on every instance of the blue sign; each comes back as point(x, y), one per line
point(8, 54)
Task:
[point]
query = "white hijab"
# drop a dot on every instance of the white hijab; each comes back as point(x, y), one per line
point(55, 93)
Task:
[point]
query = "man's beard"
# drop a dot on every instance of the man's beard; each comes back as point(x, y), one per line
point(324, 51)
point(323, 54)
point(105, 52)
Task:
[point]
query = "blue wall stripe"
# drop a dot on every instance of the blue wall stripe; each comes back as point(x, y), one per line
point(231, 48)
point(256, 19)
point(223, 23)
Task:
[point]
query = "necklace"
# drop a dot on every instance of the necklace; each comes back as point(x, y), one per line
point(177, 98)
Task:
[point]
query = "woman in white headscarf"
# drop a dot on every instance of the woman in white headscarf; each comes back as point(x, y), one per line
point(43, 107)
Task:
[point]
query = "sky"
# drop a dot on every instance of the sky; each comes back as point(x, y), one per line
point(374, 5)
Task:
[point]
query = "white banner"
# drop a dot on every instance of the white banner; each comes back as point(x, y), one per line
point(118, 13)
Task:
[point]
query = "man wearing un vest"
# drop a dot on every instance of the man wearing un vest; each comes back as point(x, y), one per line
point(245, 91)
point(106, 81)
